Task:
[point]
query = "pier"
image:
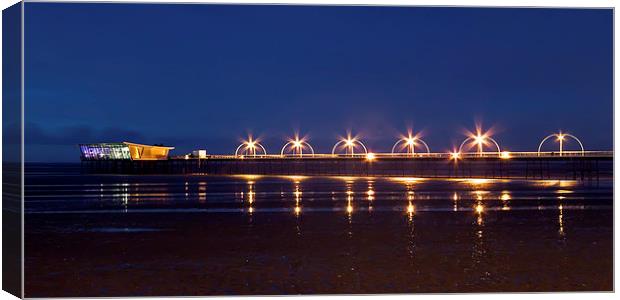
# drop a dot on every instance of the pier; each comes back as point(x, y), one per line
point(350, 157)
point(575, 165)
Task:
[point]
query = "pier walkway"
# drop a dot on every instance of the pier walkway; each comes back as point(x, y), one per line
point(568, 165)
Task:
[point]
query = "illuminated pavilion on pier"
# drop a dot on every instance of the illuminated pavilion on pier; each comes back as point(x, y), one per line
point(124, 151)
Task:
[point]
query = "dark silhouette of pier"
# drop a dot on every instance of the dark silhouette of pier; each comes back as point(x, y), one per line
point(592, 165)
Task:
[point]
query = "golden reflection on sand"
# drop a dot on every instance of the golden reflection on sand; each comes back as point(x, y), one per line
point(555, 183)
point(479, 209)
point(202, 192)
point(249, 177)
point(407, 180)
point(298, 193)
point(295, 178)
point(505, 198)
point(250, 195)
point(455, 199)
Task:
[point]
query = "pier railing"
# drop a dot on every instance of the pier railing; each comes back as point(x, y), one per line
point(570, 165)
point(373, 156)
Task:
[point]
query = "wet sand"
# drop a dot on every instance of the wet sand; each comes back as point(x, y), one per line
point(272, 253)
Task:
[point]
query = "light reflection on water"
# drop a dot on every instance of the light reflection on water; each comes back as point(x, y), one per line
point(480, 200)
point(300, 195)
point(349, 204)
point(471, 231)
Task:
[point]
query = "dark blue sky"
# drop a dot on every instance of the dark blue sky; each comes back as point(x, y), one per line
point(202, 76)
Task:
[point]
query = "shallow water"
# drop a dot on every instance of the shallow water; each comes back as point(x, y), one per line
point(96, 235)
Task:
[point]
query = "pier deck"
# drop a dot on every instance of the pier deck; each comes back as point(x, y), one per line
point(591, 165)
